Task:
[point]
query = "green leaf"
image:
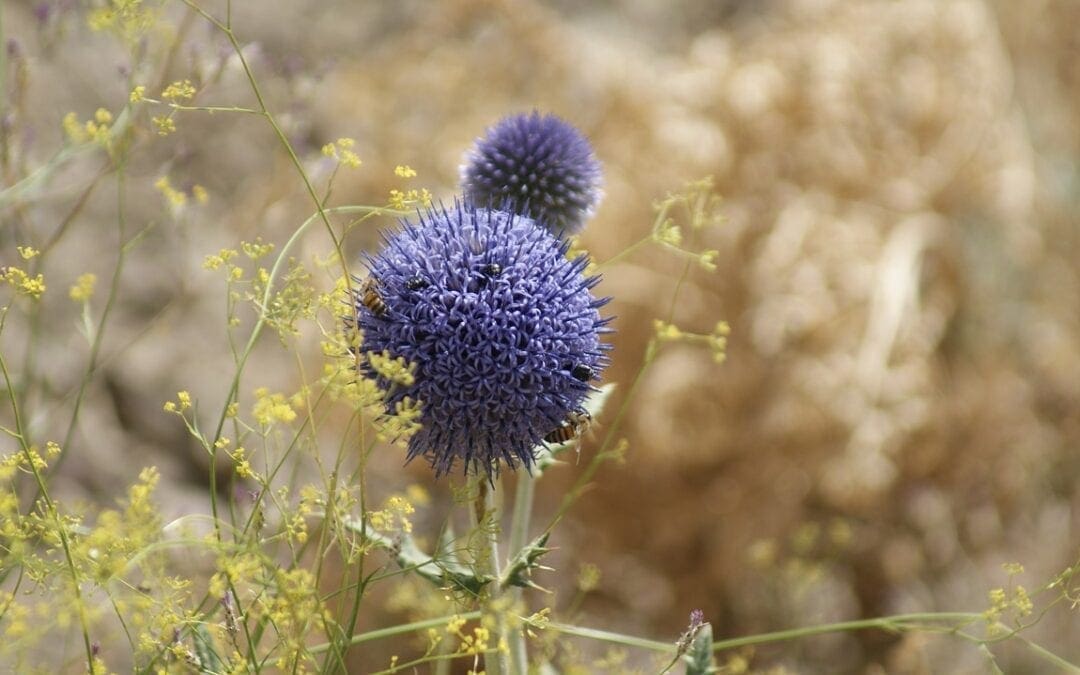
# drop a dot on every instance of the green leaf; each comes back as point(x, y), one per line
point(699, 658)
point(209, 661)
point(443, 570)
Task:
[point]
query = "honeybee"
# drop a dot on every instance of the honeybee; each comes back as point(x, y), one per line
point(573, 426)
point(370, 298)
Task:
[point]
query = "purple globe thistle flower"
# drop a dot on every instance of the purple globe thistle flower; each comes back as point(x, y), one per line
point(502, 329)
point(535, 165)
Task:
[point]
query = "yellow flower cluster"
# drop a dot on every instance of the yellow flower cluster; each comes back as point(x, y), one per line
point(716, 341)
point(588, 577)
point(128, 19)
point(404, 171)
point(473, 644)
point(182, 403)
point(394, 516)
point(668, 233)
point(96, 130)
point(417, 494)
point(83, 289)
point(296, 299)
point(397, 370)
point(399, 427)
point(56, 551)
point(242, 465)
point(181, 90)
point(699, 201)
point(271, 408)
point(233, 569)
point(696, 206)
point(30, 461)
point(409, 198)
point(164, 124)
point(117, 537)
point(707, 259)
point(342, 152)
point(339, 372)
point(213, 262)
point(360, 394)
point(174, 197)
point(24, 284)
point(256, 249)
point(1016, 600)
point(295, 610)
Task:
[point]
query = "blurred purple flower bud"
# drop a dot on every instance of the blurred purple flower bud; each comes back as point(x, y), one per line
point(42, 12)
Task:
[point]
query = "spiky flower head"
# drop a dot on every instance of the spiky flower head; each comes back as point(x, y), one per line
point(501, 327)
point(535, 165)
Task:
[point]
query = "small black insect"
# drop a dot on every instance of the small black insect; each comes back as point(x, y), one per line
point(491, 269)
point(582, 372)
point(415, 284)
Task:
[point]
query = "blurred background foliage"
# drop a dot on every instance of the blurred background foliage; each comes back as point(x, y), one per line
point(899, 414)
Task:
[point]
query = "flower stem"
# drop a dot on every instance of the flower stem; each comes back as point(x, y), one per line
point(486, 521)
point(400, 629)
point(519, 536)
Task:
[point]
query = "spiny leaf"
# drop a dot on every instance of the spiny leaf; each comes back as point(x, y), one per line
point(519, 571)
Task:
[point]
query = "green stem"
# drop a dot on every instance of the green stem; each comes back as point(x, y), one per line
point(523, 503)
point(519, 536)
point(1050, 656)
point(485, 520)
point(383, 633)
point(899, 622)
point(615, 638)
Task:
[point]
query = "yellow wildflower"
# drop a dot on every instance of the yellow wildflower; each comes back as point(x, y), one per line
point(179, 90)
point(22, 282)
point(175, 197)
point(165, 125)
point(83, 289)
point(270, 408)
point(75, 131)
